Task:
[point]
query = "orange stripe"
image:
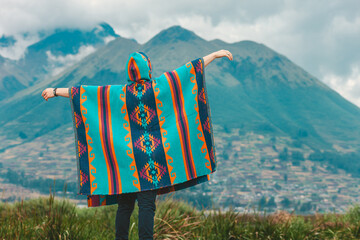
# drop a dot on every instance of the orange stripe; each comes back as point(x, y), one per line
point(204, 148)
point(132, 60)
point(102, 141)
point(137, 70)
point(119, 188)
point(178, 127)
point(163, 131)
point(130, 151)
point(129, 73)
point(187, 123)
point(91, 155)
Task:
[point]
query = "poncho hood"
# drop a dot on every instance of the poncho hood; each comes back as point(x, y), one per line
point(138, 68)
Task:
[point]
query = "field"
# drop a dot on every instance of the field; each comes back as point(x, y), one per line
point(57, 218)
point(250, 170)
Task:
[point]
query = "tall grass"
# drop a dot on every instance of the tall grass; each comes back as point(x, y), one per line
point(50, 218)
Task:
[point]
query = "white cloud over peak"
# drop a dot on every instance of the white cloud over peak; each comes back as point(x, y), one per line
point(59, 63)
point(321, 36)
point(17, 51)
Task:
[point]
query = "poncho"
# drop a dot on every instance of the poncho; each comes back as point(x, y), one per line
point(151, 133)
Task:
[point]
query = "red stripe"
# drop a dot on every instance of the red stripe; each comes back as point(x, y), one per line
point(133, 70)
point(184, 118)
point(181, 120)
point(107, 126)
point(104, 144)
point(109, 144)
point(175, 105)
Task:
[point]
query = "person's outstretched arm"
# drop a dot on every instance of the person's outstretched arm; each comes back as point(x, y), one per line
point(49, 93)
point(219, 54)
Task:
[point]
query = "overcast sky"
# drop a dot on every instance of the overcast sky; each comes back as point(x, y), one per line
point(321, 36)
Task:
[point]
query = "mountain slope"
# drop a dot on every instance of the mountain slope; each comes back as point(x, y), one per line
point(50, 55)
point(12, 78)
point(285, 98)
point(259, 91)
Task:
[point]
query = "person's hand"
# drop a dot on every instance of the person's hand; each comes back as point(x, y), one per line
point(223, 53)
point(218, 54)
point(48, 93)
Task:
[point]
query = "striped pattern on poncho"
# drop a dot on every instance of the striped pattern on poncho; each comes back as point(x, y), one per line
point(148, 134)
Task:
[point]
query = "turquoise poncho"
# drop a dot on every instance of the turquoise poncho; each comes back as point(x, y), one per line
point(147, 134)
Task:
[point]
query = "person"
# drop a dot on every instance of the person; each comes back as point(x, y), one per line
point(146, 197)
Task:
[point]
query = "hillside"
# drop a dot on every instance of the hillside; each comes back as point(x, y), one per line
point(49, 218)
point(260, 91)
point(263, 107)
point(52, 53)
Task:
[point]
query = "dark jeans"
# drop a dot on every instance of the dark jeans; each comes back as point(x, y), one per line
point(126, 203)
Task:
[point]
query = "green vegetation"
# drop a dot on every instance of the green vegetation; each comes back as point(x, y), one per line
point(346, 161)
point(49, 218)
point(41, 184)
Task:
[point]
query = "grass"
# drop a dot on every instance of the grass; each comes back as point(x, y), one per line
point(50, 218)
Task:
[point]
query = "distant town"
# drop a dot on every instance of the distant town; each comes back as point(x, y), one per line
point(254, 173)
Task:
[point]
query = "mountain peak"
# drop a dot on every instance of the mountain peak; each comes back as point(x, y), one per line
point(6, 41)
point(174, 34)
point(104, 29)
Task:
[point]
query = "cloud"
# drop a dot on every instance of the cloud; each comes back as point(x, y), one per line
point(17, 50)
point(58, 63)
point(108, 39)
point(348, 86)
point(320, 36)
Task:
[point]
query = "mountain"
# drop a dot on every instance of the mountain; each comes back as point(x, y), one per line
point(260, 91)
point(272, 94)
point(6, 41)
point(54, 52)
point(12, 78)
